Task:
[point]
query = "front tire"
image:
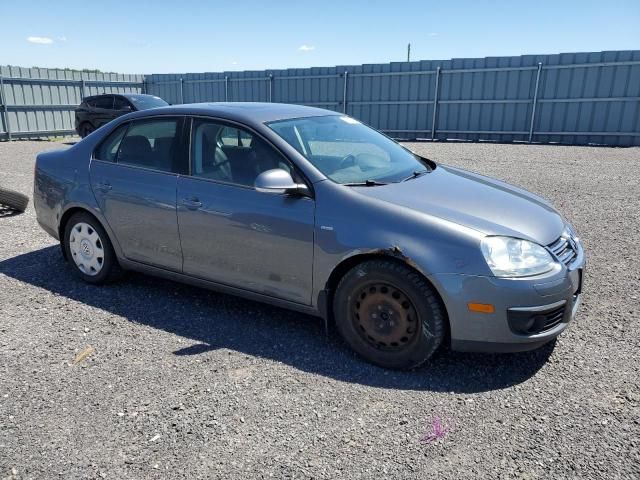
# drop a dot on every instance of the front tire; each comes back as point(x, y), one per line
point(389, 314)
point(89, 250)
point(85, 129)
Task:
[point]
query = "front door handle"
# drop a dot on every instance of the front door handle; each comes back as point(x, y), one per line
point(104, 186)
point(192, 203)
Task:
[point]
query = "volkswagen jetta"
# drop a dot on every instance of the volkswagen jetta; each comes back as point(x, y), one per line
point(311, 210)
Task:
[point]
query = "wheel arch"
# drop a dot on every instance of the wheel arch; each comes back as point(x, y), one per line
point(325, 302)
point(66, 216)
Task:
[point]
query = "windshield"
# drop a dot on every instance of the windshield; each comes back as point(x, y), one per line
point(347, 151)
point(143, 102)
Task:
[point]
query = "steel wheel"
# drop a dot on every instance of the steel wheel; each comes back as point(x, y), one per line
point(385, 317)
point(389, 313)
point(86, 249)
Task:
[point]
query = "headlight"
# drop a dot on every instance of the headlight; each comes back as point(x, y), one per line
point(513, 257)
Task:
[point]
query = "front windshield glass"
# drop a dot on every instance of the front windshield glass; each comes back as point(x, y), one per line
point(144, 102)
point(347, 151)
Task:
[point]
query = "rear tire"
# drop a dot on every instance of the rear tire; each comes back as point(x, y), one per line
point(89, 250)
point(389, 314)
point(14, 200)
point(85, 129)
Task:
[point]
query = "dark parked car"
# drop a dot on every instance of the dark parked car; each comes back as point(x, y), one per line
point(95, 111)
point(311, 210)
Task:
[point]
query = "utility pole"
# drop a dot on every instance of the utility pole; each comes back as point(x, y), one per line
point(408, 52)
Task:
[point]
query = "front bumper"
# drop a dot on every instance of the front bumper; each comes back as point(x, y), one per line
point(529, 312)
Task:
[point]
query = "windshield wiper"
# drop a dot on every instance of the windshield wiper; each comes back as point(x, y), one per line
point(366, 183)
point(416, 174)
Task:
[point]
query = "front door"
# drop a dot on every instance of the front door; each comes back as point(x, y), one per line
point(134, 178)
point(234, 235)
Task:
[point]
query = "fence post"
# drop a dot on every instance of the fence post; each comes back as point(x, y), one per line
point(5, 116)
point(226, 88)
point(435, 105)
point(535, 101)
point(181, 90)
point(270, 87)
point(82, 90)
point(344, 92)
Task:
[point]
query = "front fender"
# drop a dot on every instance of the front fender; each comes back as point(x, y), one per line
point(349, 224)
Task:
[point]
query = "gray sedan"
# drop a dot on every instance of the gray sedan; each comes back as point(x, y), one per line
point(311, 210)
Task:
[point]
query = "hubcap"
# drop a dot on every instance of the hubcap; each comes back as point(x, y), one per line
point(384, 316)
point(86, 249)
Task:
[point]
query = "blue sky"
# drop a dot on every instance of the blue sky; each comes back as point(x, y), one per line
point(196, 36)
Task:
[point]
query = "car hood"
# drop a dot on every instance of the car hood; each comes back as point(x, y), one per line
point(484, 204)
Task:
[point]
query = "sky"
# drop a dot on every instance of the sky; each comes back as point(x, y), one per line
point(208, 36)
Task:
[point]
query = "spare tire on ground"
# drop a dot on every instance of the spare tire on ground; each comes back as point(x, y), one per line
point(13, 200)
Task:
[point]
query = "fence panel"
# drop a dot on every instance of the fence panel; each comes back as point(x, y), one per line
point(39, 102)
point(571, 98)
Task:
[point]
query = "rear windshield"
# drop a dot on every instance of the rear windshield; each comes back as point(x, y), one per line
point(144, 102)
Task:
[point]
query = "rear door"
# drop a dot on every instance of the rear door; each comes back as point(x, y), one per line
point(103, 110)
point(231, 233)
point(134, 177)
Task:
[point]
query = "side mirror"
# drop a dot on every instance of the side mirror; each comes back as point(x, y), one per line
point(279, 181)
point(126, 108)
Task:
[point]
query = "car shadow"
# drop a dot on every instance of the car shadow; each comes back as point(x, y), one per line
point(214, 320)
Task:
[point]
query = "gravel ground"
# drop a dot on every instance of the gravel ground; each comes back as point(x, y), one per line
point(187, 383)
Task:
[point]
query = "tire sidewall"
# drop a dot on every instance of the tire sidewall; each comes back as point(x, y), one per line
point(109, 255)
point(86, 129)
point(430, 312)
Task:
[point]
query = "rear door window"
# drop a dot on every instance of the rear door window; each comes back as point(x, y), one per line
point(154, 144)
point(106, 103)
point(108, 149)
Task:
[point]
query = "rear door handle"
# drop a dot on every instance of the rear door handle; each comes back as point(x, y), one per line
point(103, 186)
point(192, 203)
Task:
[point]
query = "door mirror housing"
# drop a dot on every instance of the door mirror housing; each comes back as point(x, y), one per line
point(280, 182)
point(126, 108)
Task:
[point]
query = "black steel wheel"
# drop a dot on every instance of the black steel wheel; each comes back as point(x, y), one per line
point(389, 314)
point(385, 316)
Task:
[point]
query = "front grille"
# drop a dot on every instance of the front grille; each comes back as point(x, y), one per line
point(564, 249)
point(530, 322)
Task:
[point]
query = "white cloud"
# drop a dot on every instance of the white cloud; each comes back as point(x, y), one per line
point(62, 39)
point(433, 34)
point(40, 40)
point(234, 62)
point(306, 48)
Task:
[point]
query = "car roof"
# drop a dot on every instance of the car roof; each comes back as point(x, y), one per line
point(243, 112)
point(126, 95)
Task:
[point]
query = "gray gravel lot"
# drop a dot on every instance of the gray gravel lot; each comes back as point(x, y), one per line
point(189, 383)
